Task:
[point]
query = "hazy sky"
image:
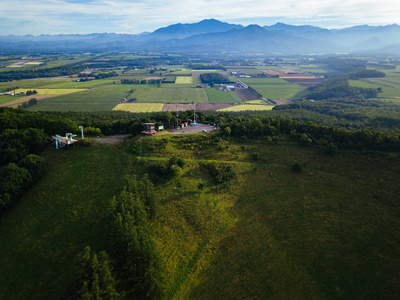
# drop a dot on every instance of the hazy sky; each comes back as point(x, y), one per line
point(37, 17)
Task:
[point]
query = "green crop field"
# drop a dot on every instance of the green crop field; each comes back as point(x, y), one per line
point(42, 91)
point(64, 212)
point(328, 232)
point(387, 91)
point(256, 102)
point(79, 85)
point(244, 107)
point(215, 95)
point(166, 94)
point(99, 99)
point(6, 99)
point(139, 107)
point(273, 88)
point(187, 80)
point(29, 84)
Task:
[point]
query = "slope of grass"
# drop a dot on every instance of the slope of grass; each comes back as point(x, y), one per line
point(41, 236)
point(330, 231)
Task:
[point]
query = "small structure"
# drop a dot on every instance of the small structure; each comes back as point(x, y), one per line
point(149, 129)
point(61, 141)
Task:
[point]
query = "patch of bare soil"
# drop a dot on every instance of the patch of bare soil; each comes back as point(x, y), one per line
point(283, 101)
point(111, 140)
point(246, 94)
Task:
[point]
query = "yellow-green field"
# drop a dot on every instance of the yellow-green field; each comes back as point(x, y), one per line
point(246, 107)
point(255, 102)
point(139, 107)
point(187, 80)
point(53, 91)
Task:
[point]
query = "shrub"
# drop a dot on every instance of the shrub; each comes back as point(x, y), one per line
point(297, 167)
point(255, 156)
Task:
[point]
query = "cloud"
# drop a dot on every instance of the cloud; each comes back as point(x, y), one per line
point(84, 16)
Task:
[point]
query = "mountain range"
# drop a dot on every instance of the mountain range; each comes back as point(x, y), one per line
point(215, 36)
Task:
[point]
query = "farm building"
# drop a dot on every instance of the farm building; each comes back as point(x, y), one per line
point(149, 129)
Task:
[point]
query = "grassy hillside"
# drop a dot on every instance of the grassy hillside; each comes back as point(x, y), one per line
point(328, 231)
point(64, 212)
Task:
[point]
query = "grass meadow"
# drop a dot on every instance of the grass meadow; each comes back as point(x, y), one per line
point(166, 94)
point(187, 80)
point(327, 232)
point(100, 99)
point(273, 88)
point(388, 91)
point(64, 212)
point(215, 96)
point(79, 85)
point(29, 84)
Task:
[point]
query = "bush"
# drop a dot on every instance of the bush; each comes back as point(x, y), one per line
point(297, 167)
point(255, 156)
point(84, 143)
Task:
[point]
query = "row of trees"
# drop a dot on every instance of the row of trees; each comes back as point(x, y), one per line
point(142, 81)
point(339, 87)
point(133, 269)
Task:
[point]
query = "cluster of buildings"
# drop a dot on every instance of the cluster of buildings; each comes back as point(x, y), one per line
point(12, 94)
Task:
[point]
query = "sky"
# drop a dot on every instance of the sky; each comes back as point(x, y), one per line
point(35, 17)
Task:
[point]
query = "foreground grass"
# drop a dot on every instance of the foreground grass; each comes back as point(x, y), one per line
point(330, 231)
point(41, 236)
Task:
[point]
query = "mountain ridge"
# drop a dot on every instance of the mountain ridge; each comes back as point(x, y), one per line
point(216, 36)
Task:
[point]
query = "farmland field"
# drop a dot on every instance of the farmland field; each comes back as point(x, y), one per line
point(79, 85)
point(42, 91)
point(29, 84)
point(273, 88)
point(187, 80)
point(215, 95)
point(166, 94)
point(139, 107)
point(246, 94)
point(243, 107)
point(99, 99)
point(387, 90)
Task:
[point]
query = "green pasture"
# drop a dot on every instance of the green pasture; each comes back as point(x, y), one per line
point(138, 71)
point(244, 107)
point(29, 84)
point(183, 72)
point(43, 91)
point(146, 93)
point(99, 99)
point(273, 88)
point(5, 99)
point(60, 215)
point(80, 85)
point(387, 91)
point(215, 95)
point(187, 80)
point(328, 232)
point(139, 107)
